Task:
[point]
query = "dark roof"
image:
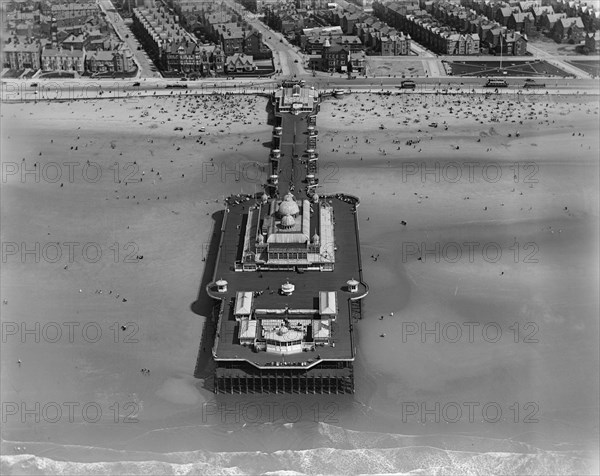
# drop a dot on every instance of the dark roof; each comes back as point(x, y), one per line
point(337, 48)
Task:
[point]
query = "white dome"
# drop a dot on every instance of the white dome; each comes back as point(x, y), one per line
point(288, 206)
point(288, 287)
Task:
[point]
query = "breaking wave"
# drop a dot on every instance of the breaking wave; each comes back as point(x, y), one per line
point(335, 451)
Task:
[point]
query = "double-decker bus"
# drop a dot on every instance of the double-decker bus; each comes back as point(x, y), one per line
point(533, 84)
point(496, 83)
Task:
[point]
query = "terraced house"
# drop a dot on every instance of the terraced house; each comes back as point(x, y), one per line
point(173, 48)
point(18, 55)
point(568, 29)
point(376, 35)
point(74, 10)
point(116, 61)
point(231, 38)
point(545, 14)
point(522, 22)
point(63, 60)
point(429, 31)
point(506, 42)
point(239, 63)
point(395, 45)
point(459, 44)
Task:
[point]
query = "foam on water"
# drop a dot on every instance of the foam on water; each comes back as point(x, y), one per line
point(416, 460)
point(336, 451)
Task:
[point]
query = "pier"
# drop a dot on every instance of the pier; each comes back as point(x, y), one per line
point(288, 273)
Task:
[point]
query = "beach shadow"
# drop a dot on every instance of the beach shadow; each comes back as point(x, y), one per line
point(208, 307)
point(271, 117)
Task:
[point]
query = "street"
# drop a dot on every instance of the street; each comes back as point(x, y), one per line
point(287, 57)
point(145, 65)
point(19, 90)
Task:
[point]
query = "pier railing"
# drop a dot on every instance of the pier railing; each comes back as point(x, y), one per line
point(218, 329)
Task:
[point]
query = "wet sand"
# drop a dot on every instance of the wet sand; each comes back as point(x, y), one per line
point(541, 292)
point(551, 300)
point(147, 237)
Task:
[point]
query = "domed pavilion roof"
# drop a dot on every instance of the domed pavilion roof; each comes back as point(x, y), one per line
point(288, 206)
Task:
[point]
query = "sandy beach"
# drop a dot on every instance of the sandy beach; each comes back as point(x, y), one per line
point(486, 220)
point(144, 259)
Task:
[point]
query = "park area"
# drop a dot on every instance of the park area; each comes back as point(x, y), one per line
point(394, 66)
point(507, 67)
point(589, 66)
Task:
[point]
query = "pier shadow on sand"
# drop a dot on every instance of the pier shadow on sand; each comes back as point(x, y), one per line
point(205, 306)
point(270, 110)
point(271, 121)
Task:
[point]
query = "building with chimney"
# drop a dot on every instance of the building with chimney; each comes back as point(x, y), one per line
point(239, 63)
point(171, 47)
point(568, 29)
point(115, 61)
point(72, 61)
point(20, 55)
point(395, 45)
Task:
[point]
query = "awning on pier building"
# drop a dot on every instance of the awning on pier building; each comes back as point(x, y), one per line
point(243, 303)
point(321, 330)
point(247, 331)
point(328, 303)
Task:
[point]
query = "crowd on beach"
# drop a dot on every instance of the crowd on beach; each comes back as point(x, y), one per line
point(414, 112)
point(193, 124)
point(351, 126)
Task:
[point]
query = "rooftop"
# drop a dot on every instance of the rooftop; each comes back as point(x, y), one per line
point(58, 52)
point(287, 96)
